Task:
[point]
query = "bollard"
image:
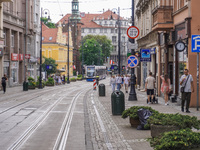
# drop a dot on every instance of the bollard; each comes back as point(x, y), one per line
point(102, 90)
point(94, 85)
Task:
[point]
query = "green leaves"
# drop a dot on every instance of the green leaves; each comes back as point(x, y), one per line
point(95, 49)
point(183, 139)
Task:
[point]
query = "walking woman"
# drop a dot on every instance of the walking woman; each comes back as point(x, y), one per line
point(165, 88)
point(113, 83)
point(3, 83)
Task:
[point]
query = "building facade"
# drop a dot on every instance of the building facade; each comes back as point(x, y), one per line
point(18, 27)
point(54, 45)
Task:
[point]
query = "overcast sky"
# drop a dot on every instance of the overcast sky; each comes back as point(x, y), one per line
point(59, 7)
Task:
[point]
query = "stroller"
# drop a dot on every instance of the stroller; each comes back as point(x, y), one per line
point(155, 99)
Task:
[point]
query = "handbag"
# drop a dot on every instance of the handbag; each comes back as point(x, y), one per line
point(183, 87)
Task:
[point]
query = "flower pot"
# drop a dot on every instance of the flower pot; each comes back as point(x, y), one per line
point(31, 87)
point(134, 122)
point(156, 130)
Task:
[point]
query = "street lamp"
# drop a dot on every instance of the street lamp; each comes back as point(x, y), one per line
point(119, 37)
point(68, 82)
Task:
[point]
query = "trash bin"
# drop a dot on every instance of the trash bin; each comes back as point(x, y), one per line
point(25, 86)
point(102, 90)
point(117, 102)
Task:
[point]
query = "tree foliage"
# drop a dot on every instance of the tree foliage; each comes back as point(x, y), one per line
point(99, 49)
point(49, 61)
point(47, 23)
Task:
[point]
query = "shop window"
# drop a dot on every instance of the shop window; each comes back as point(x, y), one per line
point(12, 39)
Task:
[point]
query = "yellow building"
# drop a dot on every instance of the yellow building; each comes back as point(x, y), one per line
point(54, 45)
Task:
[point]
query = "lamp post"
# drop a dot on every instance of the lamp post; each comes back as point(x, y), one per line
point(68, 82)
point(40, 79)
point(132, 94)
point(119, 37)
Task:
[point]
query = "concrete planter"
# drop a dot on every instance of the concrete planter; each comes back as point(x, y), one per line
point(73, 81)
point(156, 130)
point(49, 84)
point(134, 122)
point(31, 87)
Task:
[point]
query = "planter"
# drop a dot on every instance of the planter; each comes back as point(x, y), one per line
point(134, 122)
point(31, 87)
point(156, 130)
point(49, 84)
point(73, 81)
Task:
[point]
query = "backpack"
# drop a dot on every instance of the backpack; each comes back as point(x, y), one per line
point(3, 80)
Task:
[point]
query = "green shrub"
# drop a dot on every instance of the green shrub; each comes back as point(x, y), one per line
point(50, 81)
point(183, 139)
point(132, 111)
point(30, 79)
point(181, 121)
point(72, 79)
point(79, 76)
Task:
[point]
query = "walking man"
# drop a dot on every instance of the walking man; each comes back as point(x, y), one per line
point(3, 83)
point(118, 82)
point(149, 87)
point(186, 82)
point(126, 82)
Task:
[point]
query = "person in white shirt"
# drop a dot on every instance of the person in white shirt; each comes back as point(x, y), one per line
point(186, 81)
point(113, 83)
point(126, 82)
point(118, 82)
point(149, 86)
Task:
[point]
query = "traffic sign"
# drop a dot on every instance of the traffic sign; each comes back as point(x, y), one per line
point(132, 61)
point(49, 67)
point(133, 32)
point(145, 55)
point(195, 43)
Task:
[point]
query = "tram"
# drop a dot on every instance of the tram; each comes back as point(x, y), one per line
point(93, 71)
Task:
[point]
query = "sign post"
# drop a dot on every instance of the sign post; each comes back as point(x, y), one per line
point(132, 61)
point(196, 48)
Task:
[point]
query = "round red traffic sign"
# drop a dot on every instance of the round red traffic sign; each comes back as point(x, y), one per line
point(133, 32)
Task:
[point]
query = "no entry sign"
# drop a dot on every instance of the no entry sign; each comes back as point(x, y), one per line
point(133, 32)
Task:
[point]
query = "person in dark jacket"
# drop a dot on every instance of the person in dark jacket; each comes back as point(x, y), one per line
point(3, 83)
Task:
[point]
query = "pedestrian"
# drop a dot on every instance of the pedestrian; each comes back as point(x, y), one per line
point(118, 82)
point(113, 82)
point(126, 82)
point(3, 83)
point(187, 86)
point(64, 79)
point(165, 88)
point(149, 87)
point(59, 80)
point(122, 81)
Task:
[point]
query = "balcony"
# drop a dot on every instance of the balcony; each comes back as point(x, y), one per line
point(162, 18)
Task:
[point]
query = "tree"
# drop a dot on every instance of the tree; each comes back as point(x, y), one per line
point(49, 61)
point(92, 52)
point(47, 23)
point(105, 46)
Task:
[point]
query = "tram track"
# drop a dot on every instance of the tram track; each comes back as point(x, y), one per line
point(64, 131)
point(39, 94)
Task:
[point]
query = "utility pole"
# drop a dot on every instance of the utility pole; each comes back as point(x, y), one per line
point(68, 55)
point(40, 79)
point(132, 94)
point(119, 39)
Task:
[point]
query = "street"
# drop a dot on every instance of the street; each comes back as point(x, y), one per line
point(71, 117)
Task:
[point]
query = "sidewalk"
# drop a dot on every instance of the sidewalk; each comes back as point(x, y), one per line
point(137, 138)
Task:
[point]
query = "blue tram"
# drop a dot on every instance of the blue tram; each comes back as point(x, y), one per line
point(93, 71)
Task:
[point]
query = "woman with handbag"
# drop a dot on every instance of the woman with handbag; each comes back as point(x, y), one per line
point(165, 88)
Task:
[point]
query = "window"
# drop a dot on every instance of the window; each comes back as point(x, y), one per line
point(100, 22)
point(123, 39)
point(114, 39)
point(114, 48)
point(50, 38)
point(101, 30)
point(106, 23)
point(105, 30)
point(90, 30)
point(12, 39)
point(82, 30)
point(112, 30)
point(94, 30)
point(111, 23)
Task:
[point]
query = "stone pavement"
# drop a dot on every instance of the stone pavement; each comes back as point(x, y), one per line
point(114, 132)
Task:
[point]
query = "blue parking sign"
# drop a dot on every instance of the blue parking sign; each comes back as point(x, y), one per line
point(195, 43)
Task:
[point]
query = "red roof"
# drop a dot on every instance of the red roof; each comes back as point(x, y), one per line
point(88, 22)
point(48, 34)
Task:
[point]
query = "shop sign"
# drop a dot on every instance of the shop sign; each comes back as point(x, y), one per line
point(1, 52)
point(14, 65)
point(27, 56)
point(14, 57)
point(21, 57)
point(145, 55)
